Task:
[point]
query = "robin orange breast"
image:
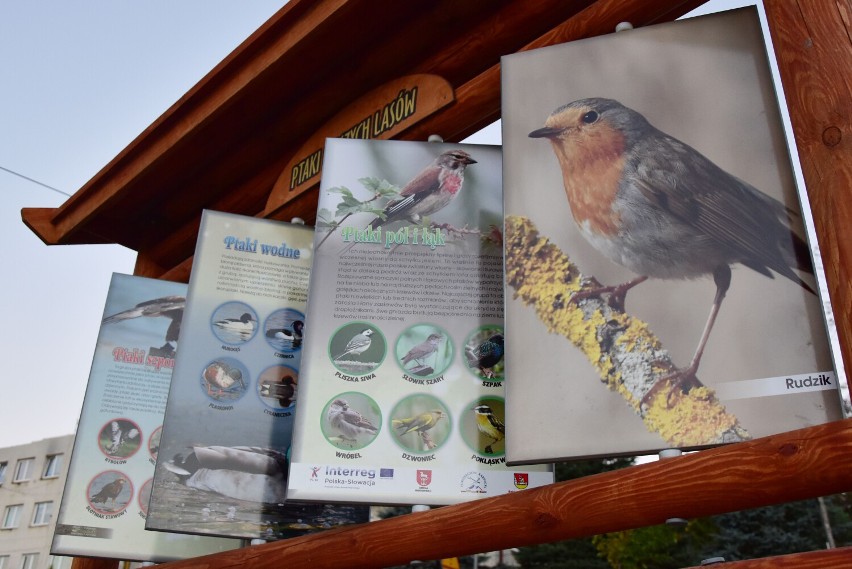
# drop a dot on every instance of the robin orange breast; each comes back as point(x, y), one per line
point(657, 206)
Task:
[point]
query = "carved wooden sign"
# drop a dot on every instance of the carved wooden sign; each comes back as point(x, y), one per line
point(381, 113)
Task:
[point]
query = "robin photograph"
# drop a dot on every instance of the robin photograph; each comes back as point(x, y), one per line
point(655, 160)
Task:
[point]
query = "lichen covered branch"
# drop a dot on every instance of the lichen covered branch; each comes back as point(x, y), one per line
point(626, 355)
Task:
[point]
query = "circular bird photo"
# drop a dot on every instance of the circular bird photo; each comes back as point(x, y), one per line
point(144, 496)
point(351, 420)
point(420, 423)
point(276, 386)
point(357, 348)
point(234, 323)
point(283, 330)
point(224, 379)
point(109, 492)
point(483, 353)
point(154, 442)
point(481, 426)
point(120, 438)
point(424, 350)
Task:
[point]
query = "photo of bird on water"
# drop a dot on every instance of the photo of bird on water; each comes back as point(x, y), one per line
point(357, 348)
point(351, 421)
point(424, 351)
point(277, 386)
point(284, 330)
point(234, 322)
point(420, 423)
point(483, 353)
point(664, 180)
point(109, 492)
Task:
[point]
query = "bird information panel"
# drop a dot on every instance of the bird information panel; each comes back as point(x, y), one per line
point(403, 401)
point(106, 494)
point(662, 291)
point(229, 418)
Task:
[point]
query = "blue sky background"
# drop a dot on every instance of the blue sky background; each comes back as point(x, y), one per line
point(80, 80)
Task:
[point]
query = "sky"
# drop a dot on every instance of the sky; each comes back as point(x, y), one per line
point(80, 80)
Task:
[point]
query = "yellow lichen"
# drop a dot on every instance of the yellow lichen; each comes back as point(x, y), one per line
point(544, 277)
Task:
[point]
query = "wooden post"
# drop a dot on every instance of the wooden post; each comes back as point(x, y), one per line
point(814, 51)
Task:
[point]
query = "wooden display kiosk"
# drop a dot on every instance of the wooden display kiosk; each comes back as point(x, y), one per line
point(244, 140)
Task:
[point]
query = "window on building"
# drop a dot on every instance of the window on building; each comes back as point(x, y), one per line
point(42, 513)
point(12, 516)
point(3, 466)
point(24, 470)
point(52, 466)
point(28, 560)
point(4, 562)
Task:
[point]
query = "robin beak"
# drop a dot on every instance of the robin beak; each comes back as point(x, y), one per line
point(546, 132)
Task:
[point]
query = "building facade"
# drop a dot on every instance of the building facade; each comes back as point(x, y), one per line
point(32, 477)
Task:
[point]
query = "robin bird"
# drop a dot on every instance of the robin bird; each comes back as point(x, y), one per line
point(358, 344)
point(348, 422)
point(656, 206)
point(489, 425)
point(432, 189)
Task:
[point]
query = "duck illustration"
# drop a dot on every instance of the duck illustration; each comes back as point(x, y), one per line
point(254, 474)
point(170, 307)
point(244, 324)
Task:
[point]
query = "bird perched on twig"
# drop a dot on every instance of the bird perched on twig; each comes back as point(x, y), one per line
point(358, 344)
point(489, 425)
point(419, 423)
point(655, 205)
point(423, 350)
point(431, 190)
point(348, 422)
point(170, 307)
point(486, 355)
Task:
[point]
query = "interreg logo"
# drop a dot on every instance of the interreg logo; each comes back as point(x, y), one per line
point(348, 477)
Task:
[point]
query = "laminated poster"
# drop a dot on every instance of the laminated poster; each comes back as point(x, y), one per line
point(105, 502)
point(404, 370)
point(222, 465)
point(657, 152)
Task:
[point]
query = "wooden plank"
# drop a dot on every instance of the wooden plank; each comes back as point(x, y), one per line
point(793, 466)
point(814, 52)
point(828, 559)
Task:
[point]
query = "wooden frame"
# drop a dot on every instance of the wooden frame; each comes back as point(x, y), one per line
point(812, 43)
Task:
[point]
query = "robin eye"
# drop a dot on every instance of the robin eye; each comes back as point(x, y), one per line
point(590, 117)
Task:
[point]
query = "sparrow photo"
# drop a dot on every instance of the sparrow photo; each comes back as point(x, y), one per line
point(656, 247)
